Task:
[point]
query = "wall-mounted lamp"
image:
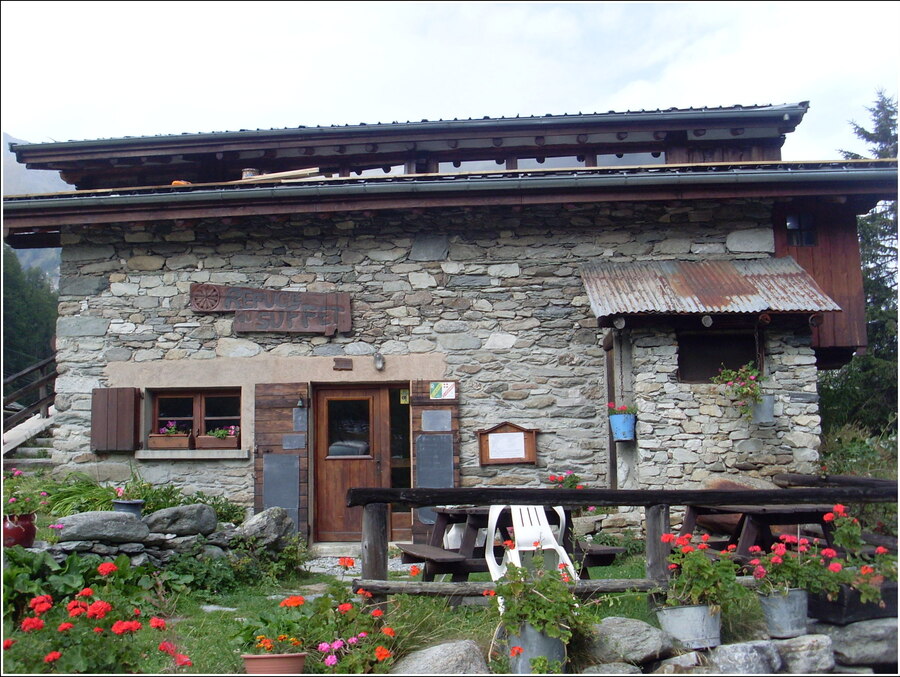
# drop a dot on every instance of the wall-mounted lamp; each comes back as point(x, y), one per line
point(300, 403)
point(378, 360)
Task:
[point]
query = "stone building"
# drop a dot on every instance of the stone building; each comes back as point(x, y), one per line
point(447, 303)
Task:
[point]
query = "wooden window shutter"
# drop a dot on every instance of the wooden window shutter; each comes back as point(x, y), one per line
point(115, 419)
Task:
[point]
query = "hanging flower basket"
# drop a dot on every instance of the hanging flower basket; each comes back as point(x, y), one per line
point(622, 426)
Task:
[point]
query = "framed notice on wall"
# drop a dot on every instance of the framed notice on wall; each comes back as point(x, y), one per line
point(507, 443)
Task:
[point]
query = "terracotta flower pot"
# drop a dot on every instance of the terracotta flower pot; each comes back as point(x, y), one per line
point(274, 663)
point(19, 530)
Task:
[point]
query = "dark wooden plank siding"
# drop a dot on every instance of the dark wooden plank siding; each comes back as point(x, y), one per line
point(834, 263)
point(274, 405)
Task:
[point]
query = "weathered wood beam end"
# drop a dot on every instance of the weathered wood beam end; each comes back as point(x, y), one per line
point(374, 546)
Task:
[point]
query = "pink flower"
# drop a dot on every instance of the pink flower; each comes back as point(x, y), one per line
point(330, 660)
point(759, 572)
point(880, 550)
point(324, 647)
point(337, 644)
point(829, 552)
point(835, 567)
point(776, 559)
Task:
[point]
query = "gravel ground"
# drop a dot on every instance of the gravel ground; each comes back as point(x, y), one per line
point(329, 565)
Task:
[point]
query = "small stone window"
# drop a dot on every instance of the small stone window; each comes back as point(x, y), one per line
point(702, 354)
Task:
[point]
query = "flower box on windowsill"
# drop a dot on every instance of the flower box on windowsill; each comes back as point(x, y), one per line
point(181, 441)
point(213, 442)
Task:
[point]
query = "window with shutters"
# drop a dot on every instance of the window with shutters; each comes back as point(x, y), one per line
point(199, 411)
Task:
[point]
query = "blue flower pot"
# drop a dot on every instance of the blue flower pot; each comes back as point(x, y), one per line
point(622, 426)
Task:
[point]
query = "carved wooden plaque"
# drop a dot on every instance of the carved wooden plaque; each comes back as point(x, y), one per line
point(277, 311)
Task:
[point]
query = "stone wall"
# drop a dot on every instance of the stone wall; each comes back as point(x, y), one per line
point(489, 296)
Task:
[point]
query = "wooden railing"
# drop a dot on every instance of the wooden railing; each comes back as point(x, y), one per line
point(656, 504)
point(39, 380)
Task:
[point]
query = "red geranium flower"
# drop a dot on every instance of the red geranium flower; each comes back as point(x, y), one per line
point(515, 651)
point(414, 570)
point(345, 607)
point(382, 654)
point(99, 609)
point(390, 632)
point(377, 613)
point(293, 600)
point(167, 647)
point(32, 623)
point(65, 626)
point(7, 643)
point(157, 623)
point(181, 659)
point(52, 656)
point(107, 568)
point(86, 592)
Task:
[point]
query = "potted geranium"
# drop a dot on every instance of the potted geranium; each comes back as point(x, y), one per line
point(539, 611)
point(340, 635)
point(172, 435)
point(743, 384)
point(622, 420)
point(867, 579)
point(702, 582)
point(785, 576)
point(22, 498)
point(227, 437)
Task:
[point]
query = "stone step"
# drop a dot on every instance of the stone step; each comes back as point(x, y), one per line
point(33, 452)
point(27, 465)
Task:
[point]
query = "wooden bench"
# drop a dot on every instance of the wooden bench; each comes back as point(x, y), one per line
point(585, 556)
point(441, 561)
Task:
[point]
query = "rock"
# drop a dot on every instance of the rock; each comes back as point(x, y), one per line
point(746, 658)
point(183, 520)
point(222, 538)
point(612, 669)
point(685, 663)
point(864, 643)
point(270, 529)
point(627, 640)
point(452, 658)
point(806, 654)
point(103, 525)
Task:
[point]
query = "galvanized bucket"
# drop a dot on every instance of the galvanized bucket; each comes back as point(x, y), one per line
point(763, 412)
point(695, 626)
point(785, 614)
point(533, 644)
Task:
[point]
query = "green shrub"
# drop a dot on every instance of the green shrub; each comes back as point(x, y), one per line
point(80, 493)
point(226, 511)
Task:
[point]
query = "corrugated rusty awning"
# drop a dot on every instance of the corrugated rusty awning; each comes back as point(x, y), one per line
point(726, 287)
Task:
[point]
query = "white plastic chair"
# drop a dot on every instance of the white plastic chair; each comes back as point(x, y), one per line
point(531, 532)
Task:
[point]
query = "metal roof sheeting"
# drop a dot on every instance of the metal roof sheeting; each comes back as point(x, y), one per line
point(775, 285)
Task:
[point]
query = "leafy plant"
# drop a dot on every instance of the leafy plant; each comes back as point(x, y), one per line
point(226, 511)
point(613, 409)
point(173, 428)
point(784, 568)
point(222, 433)
point(81, 493)
point(22, 494)
point(569, 480)
point(699, 577)
point(89, 634)
point(539, 597)
point(743, 385)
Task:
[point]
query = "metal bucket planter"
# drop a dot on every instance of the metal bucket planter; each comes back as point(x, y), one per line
point(785, 613)
point(534, 644)
point(622, 426)
point(763, 412)
point(695, 626)
point(134, 506)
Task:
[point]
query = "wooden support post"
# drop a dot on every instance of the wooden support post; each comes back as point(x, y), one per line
point(657, 520)
point(375, 546)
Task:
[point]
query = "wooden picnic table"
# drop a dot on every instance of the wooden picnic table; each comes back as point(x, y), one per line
point(441, 556)
point(755, 522)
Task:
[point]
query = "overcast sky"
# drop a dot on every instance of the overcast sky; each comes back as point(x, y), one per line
point(85, 70)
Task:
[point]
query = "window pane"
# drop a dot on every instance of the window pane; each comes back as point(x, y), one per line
point(177, 409)
point(348, 427)
point(223, 406)
point(700, 356)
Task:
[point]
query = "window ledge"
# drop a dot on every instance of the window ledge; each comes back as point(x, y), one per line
point(190, 454)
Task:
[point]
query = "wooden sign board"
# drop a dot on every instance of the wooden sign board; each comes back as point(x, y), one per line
point(507, 443)
point(279, 311)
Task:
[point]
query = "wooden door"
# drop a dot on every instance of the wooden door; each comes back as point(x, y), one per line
point(352, 449)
